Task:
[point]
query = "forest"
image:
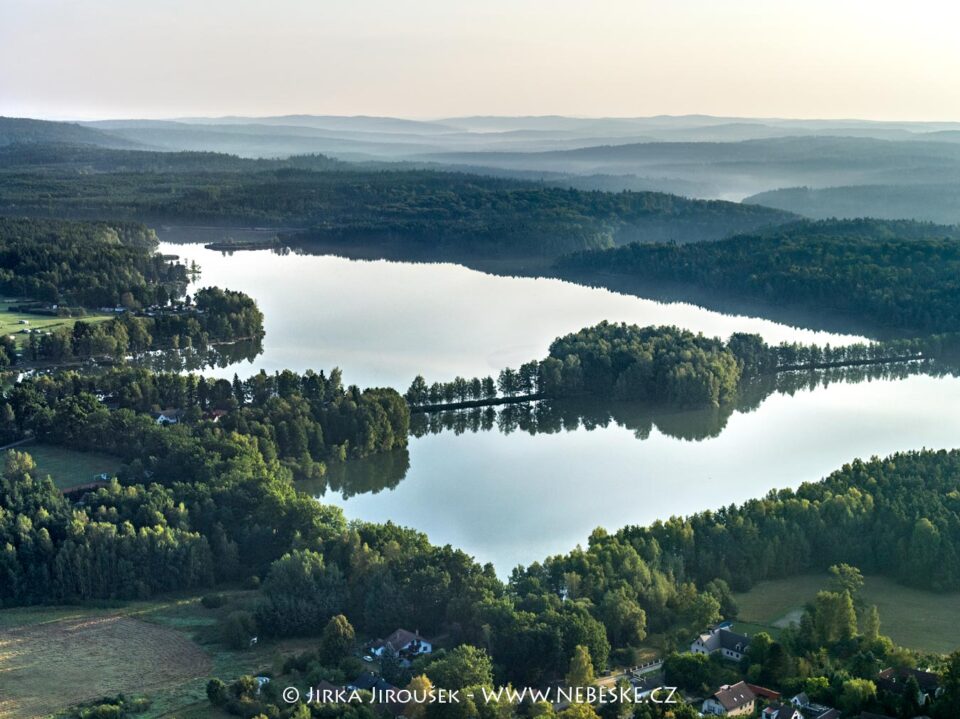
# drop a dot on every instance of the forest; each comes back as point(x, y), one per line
point(661, 365)
point(66, 269)
point(898, 516)
point(92, 264)
point(350, 203)
point(903, 278)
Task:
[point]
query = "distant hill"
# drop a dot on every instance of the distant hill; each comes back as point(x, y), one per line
point(349, 203)
point(19, 130)
point(745, 168)
point(930, 202)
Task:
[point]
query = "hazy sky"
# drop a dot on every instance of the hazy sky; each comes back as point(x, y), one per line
point(432, 58)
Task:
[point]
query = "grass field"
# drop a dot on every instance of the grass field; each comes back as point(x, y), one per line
point(50, 665)
point(67, 467)
point(912, 618)
point(53, 657)
point(10, 322)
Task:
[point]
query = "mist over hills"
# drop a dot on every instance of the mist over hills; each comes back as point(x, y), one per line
point(22, 130)
point(818, 168)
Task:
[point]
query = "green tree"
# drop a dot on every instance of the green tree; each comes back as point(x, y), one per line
point(580, 673)
point(337, 640)
point(855, 694)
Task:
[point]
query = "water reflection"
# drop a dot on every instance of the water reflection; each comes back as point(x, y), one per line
point(548, 417)
point(369, 475)
point(193, 359)
point(551, 417)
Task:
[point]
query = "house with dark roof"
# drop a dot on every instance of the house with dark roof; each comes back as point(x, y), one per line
point(781, 711)
point(723, 641)
point(895, 681)
point(369, 681)
point(812, 710)
point(730, 700)
point(402, 644)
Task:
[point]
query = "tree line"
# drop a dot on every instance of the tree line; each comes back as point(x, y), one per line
point(422, 210)
point(660, 365)
point(894, 275)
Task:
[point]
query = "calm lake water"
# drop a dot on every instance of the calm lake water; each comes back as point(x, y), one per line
point(384, 322)
point(516, 497)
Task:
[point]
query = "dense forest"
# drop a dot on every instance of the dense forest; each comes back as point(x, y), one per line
point(88, 264)
point(898, 516)
point(66, 269)
point(903, 278)
point(935, 201)
point(342, 203)
point(300, 421)
point(662, 365)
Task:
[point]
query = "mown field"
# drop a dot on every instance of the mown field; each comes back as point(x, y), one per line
point(165, 650)
point(10, 322)
point(69, 468)
point(912, 618)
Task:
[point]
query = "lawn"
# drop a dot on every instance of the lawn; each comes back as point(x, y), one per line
point(10, 322)
point(49, 665)
point(911, 617)
point(164, 649)
point(68, 467)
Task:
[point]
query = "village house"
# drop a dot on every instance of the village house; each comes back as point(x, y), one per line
point(781, 711)
point(895, 682)
point(401, 644)
point(730, 700)
point(812, 710)
point(368, 681)
point(168, 416)
point(723, 641)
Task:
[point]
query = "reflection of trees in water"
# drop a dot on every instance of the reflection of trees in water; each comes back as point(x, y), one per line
point(193, 359)
point(385, 471)
point(361, 476)
point(553, 416)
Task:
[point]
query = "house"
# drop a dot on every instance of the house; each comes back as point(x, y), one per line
point(402, 644)
point(723, 641)
point(895, 681)
point(812, 710)
point(781, 711)
point(730, 700)
point(763, 693)
point(368, 681)
point(168, 416)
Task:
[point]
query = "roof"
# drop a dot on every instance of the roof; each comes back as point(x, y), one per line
point(781, 711)
point(735, 696)
point(895, 679)
point(369, 680)
point(723, 638)
point(768, 694)
point(401, 638)
point(829, 714)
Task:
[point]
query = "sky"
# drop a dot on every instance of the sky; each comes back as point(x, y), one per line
point(65, 59)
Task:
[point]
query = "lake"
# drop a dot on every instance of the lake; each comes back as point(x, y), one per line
point(513, 497)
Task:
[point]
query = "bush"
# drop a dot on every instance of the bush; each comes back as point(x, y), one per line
point(213, 601)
